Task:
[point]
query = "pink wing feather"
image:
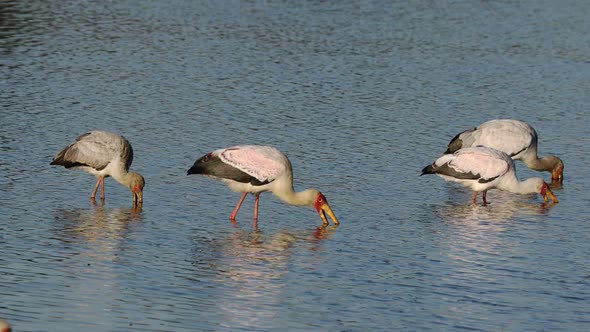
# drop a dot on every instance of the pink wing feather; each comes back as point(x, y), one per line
point(262, 162)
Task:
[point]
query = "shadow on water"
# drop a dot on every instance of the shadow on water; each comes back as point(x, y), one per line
point(250, 270)
point(483, 244)
point(501, 205)
point(480, 227)
point(79, 251)
point(97, 226)
point(502, 209)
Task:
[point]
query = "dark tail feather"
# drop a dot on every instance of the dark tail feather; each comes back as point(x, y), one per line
point(457, 143)
point(213, 166)
point(195, 169)
point(428, 170)
point(60, 160)
point(200, 166)
point(65, 163)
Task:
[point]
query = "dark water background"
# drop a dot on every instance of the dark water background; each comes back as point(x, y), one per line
point(360, 96)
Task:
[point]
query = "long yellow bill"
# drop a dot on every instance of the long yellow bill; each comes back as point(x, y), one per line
point(549, 194)
point(326, 209)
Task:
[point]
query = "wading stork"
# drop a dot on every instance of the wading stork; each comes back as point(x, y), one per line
point(481, 168)
point(513, 137)
point(255, 169)
point(103, 154)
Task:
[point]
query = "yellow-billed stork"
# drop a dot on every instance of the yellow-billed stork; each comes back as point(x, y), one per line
point(513, 137)
point(481, 168)
point(103, 154)
point(255, 169)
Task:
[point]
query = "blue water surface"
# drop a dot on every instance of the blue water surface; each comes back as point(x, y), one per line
point(361, 95)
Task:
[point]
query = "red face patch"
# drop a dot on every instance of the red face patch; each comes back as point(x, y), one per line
point(320, 201)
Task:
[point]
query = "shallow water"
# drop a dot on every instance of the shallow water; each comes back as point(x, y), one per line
point(360, 96)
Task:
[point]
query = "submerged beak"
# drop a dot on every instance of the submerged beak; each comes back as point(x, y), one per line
point(326, 209)
point(549, 194)
point(138, 197)
point(557, 175)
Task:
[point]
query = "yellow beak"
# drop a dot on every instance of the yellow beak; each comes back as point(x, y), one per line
point(326, 209)
point(549, 194)
point(138, 197)
point(558, 176)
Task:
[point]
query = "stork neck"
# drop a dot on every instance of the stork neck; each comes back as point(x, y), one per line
point(292, 197)
point(541, 164)
point(513, 185)
point(122, 176)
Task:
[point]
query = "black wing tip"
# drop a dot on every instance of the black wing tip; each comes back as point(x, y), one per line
point(59, 161)
point(427, 170)
point(195, 169)
point(203, 164)
point(482, 180)
point(456, 143)
point(66, 164)
point(454, 146)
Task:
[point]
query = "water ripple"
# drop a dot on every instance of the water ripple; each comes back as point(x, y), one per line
point(360, 96)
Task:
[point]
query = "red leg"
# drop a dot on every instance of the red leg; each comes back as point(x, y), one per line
point(256, 203)
point(102, 188)
point(233, 215)
point(474, 197)
point(93, 195)
point(484, 197)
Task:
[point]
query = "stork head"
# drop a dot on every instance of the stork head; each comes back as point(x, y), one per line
point(323, 208)
point(557, 170)
point(136, 184)
point(552, 164)
point(546, 193)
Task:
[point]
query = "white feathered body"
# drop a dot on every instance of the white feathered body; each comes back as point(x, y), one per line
point(478, 168)
point(513, 137)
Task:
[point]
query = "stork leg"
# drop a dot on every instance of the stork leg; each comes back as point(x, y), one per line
point(93, 195)
point(233, 215)
point(102, 188)
point(256, 203)
point(484, 197)
point(474, 197)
